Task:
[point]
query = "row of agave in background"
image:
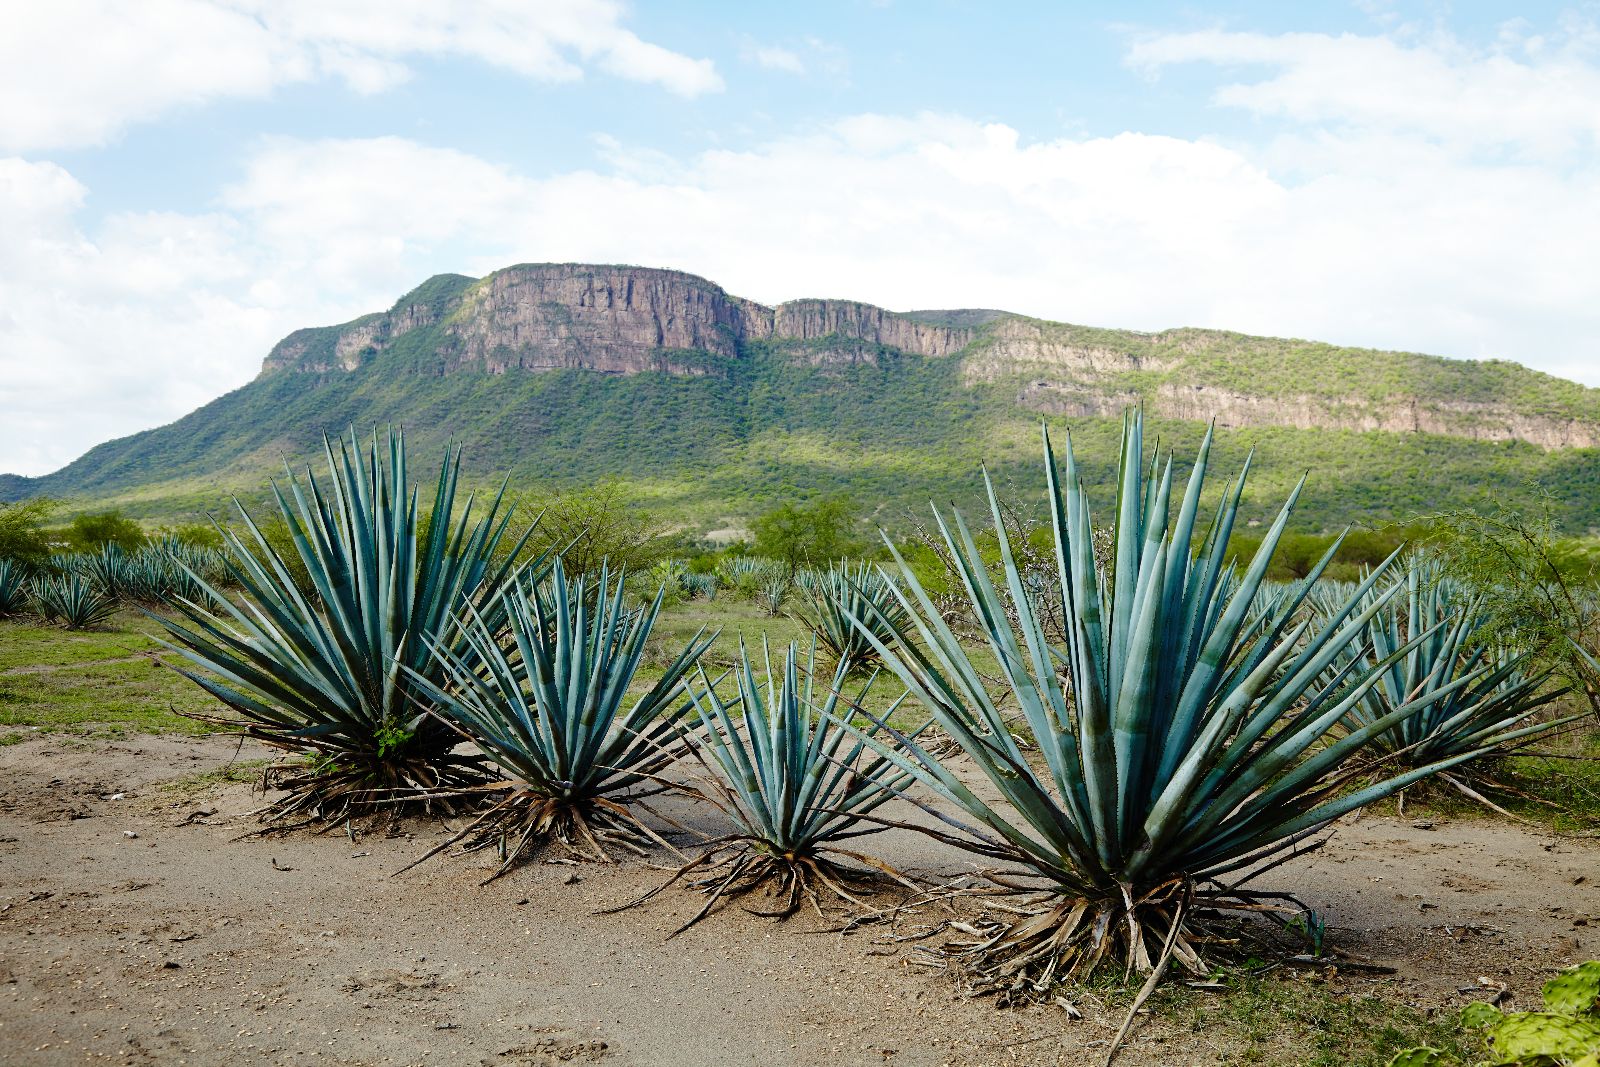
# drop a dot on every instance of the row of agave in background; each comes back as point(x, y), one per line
point(82, 589)
point(1186, 735)
point(837, 603)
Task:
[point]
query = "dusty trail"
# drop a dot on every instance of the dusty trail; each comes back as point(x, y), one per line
point(181, 945)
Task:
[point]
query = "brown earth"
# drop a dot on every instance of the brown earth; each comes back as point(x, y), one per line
point(137, 929)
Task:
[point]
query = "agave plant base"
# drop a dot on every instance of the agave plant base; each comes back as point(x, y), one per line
point(735, 867)
point(1047, 938)
point(523, 821)
point(329, 788)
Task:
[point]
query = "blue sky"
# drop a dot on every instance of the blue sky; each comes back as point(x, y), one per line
point(186, 180)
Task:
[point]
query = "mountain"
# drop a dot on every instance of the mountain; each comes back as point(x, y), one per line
point(714, 406)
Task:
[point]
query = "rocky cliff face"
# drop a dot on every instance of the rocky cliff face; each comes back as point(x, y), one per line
point(628, 320)
point(1480, 422)
point(619, 320)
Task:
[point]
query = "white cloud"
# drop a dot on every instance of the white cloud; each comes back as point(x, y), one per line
point(811, 55)
point(75, 72)
point(1530, 93)
point(772, 57)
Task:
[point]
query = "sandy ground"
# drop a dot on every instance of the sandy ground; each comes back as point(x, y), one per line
point(135, 928)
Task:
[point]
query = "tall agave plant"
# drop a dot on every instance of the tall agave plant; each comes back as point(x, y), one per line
point(846, 607)
point(544, 695)
point(343, 677)
point(1483, 700)
point(1186, 751)
point(796, 783)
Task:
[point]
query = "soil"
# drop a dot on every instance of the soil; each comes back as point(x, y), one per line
point(137, 926)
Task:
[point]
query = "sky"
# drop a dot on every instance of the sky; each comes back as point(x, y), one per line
point(182, 182)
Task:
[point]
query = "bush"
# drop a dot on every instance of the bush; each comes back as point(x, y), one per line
point(22, 534)
point(800, 534)
point(90, 533)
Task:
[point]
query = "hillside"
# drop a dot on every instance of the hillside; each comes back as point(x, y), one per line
point(714, 406)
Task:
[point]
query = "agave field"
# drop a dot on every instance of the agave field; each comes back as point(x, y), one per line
point(1043, 781)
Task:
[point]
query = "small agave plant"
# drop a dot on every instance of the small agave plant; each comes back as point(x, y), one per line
point(784, 766)
point(339, 674)
point(544, 696)
point(851, 610)
point(772, 592)
point(1184, 753)
point(1479, 699)
point(72, 600)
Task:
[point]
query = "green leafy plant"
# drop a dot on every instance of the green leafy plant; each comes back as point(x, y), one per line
point(1185, 751)
point(846, 607)
point(795, 782)
point(90, 533)
point(342, 677)
point(1565, 1034)
point(548, 704)
point(23, 537)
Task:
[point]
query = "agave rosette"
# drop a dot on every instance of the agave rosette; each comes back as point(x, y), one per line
point(851, 609)
point(1485, 700)
point(1186, 750)
point(336, 673)
point(72, 600)
point(541, 687)
point(783, 764)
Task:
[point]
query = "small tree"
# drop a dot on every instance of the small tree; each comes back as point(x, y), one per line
point(87, 533)
point(801, 534)
point(595, 524)
point(1539, 592)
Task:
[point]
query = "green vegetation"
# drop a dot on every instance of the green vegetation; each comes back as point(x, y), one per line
point(94, 531)
point(1274, 1021)
point(806, 535)
point(53, 681)
point(1565, 1034)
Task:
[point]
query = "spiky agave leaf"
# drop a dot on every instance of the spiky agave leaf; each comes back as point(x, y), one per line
point(1189, 748)
point(544, 696)
point(338, 676)
point(1486, 701)
point(842, 604)
point(795, 781)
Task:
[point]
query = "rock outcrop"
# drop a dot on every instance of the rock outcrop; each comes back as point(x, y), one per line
point(619, 320)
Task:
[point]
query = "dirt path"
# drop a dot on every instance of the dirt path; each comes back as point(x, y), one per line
point(182, 945)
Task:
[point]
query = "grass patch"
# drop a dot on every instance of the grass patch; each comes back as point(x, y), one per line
point(58, 680)
point(1295, 1021)
point(247, 770)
